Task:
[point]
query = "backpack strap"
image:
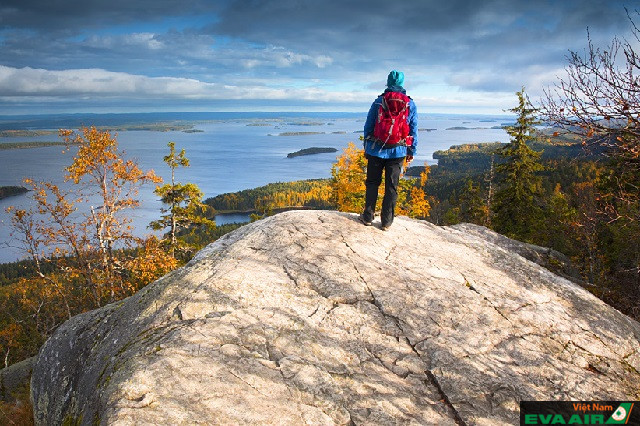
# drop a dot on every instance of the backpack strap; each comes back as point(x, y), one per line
point(385, 145)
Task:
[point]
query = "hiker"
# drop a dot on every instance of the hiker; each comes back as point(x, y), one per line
point(390, 136)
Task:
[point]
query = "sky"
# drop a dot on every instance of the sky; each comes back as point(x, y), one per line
point(458, 56)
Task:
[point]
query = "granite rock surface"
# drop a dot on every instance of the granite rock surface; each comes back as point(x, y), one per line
point(308, 317)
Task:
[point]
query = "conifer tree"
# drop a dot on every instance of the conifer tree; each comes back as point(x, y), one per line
point(184, 209)
point(517, 207)
point(473, 208)
point(561, 217)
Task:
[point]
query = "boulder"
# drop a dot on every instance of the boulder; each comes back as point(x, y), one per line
point(308, 317)
point(15, 377)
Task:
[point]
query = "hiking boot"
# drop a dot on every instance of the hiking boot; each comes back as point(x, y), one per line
point(364, 221)
point(385, 227)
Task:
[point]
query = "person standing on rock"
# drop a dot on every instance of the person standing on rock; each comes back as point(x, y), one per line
point(390, 137)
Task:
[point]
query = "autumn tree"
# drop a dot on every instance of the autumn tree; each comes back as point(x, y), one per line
point(80, 239)
point(517, 204)
point(348, 175)
point(184, 207)
point(598, 99)
point(413, 202)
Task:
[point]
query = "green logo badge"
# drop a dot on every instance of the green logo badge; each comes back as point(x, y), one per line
point(621, 415)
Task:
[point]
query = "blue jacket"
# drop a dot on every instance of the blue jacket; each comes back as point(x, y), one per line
point(375, 149)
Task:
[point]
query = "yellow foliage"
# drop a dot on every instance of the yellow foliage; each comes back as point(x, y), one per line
point(348, 186)
point(417, 205)
point(149, 265)
point(349, 174)
point(83, 258)
point(320, 194)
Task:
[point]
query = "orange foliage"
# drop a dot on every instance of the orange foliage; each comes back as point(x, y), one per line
point(348, 186)
point(84, 256)
point(151, 263)
point(412, 200)
point(349, 174)
point(319, 195)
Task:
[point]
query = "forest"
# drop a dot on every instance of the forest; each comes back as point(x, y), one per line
point(571, 184)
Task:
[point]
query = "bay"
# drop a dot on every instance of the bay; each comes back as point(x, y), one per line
point(231, 154)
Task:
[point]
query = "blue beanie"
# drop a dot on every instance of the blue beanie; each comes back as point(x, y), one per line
point(395, 78)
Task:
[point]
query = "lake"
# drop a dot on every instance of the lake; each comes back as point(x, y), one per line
point(233, 154)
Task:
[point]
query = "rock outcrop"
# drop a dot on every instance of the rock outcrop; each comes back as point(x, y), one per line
point(15, 377)
point(309, 317)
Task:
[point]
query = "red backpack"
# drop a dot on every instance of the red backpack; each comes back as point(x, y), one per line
point(391, 126)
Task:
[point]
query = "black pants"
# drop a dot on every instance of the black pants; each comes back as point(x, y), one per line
point(392, 168)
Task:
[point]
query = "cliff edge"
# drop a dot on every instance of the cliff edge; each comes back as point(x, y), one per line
point(308, 317)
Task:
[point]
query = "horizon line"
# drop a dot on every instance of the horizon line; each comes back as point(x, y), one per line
point(233, 112)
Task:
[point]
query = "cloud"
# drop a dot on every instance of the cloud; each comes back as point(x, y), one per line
point(145, 41)
point(534, 78)
point(97, 83)
point(71, 16)
point(173, 53)
point(456, 34)
point(294, 49)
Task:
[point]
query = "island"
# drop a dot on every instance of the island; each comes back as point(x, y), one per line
point(306, 123)
point(171, 126)
point(21, 133)
point(299, 133)
point(26, 145)
point(464, 128)
point(311, 151)
point(9, 191)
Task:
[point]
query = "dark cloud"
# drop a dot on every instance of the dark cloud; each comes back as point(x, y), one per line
point(75, 15)
point(493, 46)
point(499, 37)
point(384, 27)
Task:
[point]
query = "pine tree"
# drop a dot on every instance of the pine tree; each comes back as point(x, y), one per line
point(472, 205)
point(185, 208)
point(517, 207)
point(490, 190)
point(561, 218)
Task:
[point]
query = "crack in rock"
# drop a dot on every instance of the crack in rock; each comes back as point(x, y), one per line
point(475, 290)
point(444, 398)
point(320, 325)
point(432, 379)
